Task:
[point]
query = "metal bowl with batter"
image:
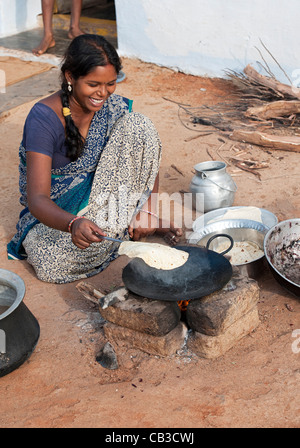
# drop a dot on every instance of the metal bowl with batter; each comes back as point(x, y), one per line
point(240, 231)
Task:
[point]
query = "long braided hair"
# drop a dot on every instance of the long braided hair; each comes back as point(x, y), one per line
point(85, 53)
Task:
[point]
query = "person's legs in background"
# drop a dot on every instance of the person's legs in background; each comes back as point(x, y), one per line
point(48, 40)
point(75, 30)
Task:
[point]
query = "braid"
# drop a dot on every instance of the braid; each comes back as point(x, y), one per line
point(74, 139)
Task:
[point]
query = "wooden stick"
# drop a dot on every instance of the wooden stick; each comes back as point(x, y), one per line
point(284, 143)
point(196, 136)
point(176, 102)
point(208, 153)
point(275, 109)
point(240, 165)
point(177, 169)
point(89, 292)
point(270, 83)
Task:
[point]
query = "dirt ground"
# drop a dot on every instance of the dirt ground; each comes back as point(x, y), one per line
point(255, 384)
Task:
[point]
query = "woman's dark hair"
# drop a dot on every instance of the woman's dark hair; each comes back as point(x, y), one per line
point(83, 55)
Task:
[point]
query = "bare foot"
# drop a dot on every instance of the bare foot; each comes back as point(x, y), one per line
point(74, 32)
point(46, 42)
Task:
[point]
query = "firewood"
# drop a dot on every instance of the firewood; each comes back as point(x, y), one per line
point(270, 83)
point(284, 143)
point(98, 298)
point(249, 165)
point(239, 164)
point(89, 292)
point(253, 164)
point(276, 109)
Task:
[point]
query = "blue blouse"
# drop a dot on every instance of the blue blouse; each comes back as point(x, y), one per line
point(44, 133)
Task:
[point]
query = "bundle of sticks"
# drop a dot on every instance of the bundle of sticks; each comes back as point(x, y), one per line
point(262, 108)
point(284, 109)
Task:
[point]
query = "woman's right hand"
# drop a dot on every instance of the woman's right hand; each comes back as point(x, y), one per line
point(85, 232)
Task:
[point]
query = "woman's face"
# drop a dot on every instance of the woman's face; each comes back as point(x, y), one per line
point(89, 92)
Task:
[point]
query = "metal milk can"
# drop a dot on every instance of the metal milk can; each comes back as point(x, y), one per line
point(212, 187)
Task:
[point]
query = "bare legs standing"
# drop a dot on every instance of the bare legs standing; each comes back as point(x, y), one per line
point(75, 30)
point(48, 40)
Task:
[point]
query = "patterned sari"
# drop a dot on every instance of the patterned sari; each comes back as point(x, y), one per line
point(107, 184)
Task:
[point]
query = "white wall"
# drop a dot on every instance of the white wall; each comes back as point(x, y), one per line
point(199, 37)
point(205, 37)
point(18, 15)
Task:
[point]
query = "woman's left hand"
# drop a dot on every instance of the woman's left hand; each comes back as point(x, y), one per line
point(150, 225)
point(170, 234)
point(173, 235)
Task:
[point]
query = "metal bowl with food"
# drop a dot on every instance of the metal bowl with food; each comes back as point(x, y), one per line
point(282, 251)
point(248, 236)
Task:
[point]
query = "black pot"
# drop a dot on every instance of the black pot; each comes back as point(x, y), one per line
point(204, 272)
point(19, 329)
point(282, 258)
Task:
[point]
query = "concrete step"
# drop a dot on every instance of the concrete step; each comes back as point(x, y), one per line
point(103, 27)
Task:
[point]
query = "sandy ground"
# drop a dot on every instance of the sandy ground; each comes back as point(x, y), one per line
point(255, 384)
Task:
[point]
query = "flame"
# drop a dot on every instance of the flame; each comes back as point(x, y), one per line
point(183, 304)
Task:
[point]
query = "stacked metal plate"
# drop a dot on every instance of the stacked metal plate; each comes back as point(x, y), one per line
point(216, 222)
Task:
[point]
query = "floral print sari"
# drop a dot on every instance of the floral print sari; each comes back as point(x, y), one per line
point(107, 184)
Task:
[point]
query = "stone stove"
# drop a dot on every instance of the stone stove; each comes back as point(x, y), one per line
point(208, 326)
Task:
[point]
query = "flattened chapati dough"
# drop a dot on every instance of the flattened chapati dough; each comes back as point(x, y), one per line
point(155, 255)
point(252, 213)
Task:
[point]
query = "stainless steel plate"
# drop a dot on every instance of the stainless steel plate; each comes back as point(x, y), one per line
point(268, 218)
point(238, 229)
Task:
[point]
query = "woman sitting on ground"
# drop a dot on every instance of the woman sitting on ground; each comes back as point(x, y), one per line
point(88, 168)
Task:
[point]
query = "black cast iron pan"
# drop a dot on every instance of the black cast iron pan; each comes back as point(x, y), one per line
point(204, 272)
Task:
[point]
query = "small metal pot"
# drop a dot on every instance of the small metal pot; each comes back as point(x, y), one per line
point(19, 329)
point(281, 247)
point(212, 185)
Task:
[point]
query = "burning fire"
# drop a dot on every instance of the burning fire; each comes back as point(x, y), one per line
point(183, 304)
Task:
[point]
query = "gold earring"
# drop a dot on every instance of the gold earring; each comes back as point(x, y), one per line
point(69, 86)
